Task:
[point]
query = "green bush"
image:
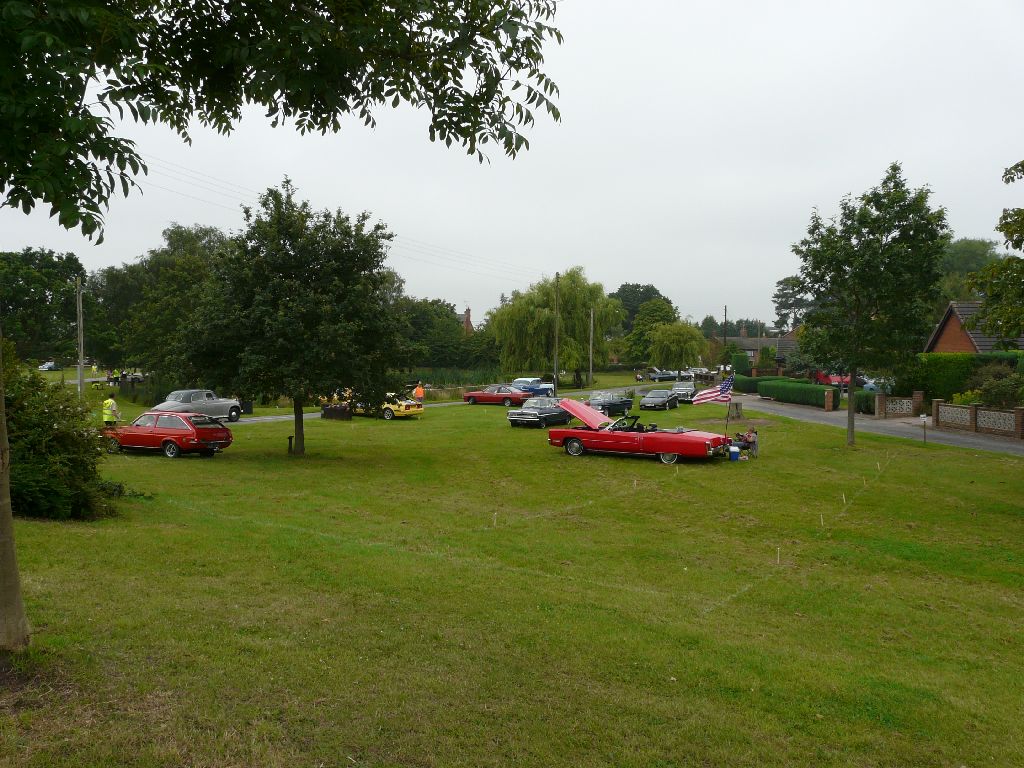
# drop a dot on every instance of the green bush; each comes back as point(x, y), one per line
point(55, 448)
point(864, 402)
point(989, 371)
point(968, 397)
point(801, 394)
point(740, 363)
point(748, 384)
point(943, 374)
point(1007, 392)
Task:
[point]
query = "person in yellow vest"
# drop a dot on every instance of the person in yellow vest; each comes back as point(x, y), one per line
point(418, 393)
point(111, 413)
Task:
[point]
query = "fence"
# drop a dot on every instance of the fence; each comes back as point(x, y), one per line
point(978, 418)
point(889, 407)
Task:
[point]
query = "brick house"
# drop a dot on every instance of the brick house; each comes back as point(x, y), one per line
point(953, 335)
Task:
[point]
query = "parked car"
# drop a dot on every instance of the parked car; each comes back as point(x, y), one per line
point(171, 433)
point(49, 365)
point(656, 374)
point(610, 403)
point(684, 390)
point(394, 407)
point(505, 394)
point(659, 400)
point(201, 401)
point(539, 412)
point(628, 436)
point(535, 386)
point(877, 385)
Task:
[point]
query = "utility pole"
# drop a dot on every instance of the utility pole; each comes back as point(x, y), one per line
point(725, 330)
point(81, 337)
point(556, 334)
point(590, 375)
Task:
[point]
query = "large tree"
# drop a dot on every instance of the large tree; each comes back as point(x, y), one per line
point(37, 302)
point(650, 314)
point(962, 257)
point(1011, 223)
point(632, 296)
point(1001, 286)
point(677, 345)
point(66, 66)
point(871, 273)
point(525, 326)
point(791, 302)
point(300, 307)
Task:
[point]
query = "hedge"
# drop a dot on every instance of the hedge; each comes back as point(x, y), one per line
point(741, 363)
point(864, 402)
point(943, 374)
point(749, 384)
point(801, 394)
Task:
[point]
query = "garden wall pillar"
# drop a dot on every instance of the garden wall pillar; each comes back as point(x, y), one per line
point(917, 406)
point(1018, 423)
point(972, 417)
point(880, 405)
point(829, 394)
point(935, 412)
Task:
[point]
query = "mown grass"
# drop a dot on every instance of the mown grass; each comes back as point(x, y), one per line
point(453, 592)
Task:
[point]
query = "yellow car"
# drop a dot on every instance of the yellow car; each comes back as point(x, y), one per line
point(394, 407)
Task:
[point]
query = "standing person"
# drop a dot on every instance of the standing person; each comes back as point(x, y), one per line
point(418, 393)
point(111, 413)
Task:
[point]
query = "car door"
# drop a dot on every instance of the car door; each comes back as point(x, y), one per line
point(616, 442)
point(215, 406)
point(492, 395)
point(170, 425)
point(138, 434)
point(198, 403)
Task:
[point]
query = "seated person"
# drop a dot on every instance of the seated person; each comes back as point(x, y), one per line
point(744, 441)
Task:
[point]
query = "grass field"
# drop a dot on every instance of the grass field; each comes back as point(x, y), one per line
point(453, 592)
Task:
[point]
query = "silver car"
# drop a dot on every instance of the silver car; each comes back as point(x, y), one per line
point(201, 401)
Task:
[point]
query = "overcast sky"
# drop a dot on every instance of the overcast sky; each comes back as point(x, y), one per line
point(696, 138)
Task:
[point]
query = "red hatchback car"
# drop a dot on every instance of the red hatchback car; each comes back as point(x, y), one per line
point(171, 433)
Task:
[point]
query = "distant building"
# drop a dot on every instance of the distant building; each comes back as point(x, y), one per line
point(467, 323)
point(953, 335)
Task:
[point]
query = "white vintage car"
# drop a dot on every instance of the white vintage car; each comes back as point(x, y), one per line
point(201, 401)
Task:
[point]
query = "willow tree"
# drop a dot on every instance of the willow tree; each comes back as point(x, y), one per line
point(675, 346)
point(525, 326)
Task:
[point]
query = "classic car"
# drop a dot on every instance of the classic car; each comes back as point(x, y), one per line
point(49, 365)
point(684, 390)
point(539, 412)
point(535, 386)
point(394, 407)
point(627, 435)
point(171, 433)
point(659, 400)
point(505, 394)
point(656, 374)
point(610, 403)
point(201, 401)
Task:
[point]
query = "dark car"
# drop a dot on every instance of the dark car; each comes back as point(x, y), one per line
point(659, 400)
point(610, 403)
point(539, 412)
point(171, 433)
point(656, 374)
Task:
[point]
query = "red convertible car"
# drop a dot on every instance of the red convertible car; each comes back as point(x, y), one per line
point(627, 436)
point(505, 394)
point(171, 433)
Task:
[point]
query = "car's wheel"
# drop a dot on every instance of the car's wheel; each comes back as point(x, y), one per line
point(388, 414)
point(171, 450)
point(234, 414)
point(573, 447)
point(668, 458)
point(507, 402)
point(113, 446)
point(471, 401)
point(208, 454)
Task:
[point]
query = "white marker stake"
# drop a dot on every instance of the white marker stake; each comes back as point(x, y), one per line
point(495, 519)
point(822, 515)
point(778, 555)
point(844, 499)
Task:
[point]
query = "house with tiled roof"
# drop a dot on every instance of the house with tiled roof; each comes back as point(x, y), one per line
point(952, 334)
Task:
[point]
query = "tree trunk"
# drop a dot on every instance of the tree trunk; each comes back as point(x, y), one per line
point(850, 405)
point(299, 446)
point(13, 623)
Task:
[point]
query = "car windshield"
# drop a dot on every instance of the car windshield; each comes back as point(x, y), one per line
point(521, 382)
point(539, 402)
point(179, 397)
point(656, 393)
point(204, 422)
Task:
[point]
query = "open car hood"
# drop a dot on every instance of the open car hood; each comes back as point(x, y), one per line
point(592, 417)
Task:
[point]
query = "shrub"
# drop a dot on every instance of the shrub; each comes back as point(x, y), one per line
point(801, 394)
point(989, 371)
point(740, 363)
point(749, 384)
point(864, 402)
point(967, 398)
point(1007, 392)
point(942, 374)
point(55, 448)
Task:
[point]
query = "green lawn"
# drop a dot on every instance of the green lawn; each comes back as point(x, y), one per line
point(453, 592)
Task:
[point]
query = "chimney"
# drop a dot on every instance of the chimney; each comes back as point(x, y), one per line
point(743, 331)
point(467, 324)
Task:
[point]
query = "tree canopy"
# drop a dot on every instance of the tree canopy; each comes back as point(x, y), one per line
point(871, 273)
point(67, 67)
point(962, 257)
point(632, 296)
point(791, 302)
point(1001, 285)
point(301, 306)
point(1011, 223)
point(650, 314)
point(678, 345)
point(525, 327)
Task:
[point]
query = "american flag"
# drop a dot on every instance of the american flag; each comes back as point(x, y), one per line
point(720, 394)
